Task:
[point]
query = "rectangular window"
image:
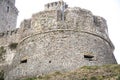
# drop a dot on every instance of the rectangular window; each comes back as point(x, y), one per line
point(89, 57)
point(8, 9)
point(23, 61)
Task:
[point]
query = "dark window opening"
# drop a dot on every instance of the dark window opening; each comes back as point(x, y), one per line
point(64, 18)
point(8, 9)
point(66, 6)
point(59, 2)
point(61, 16)
point(8, 2)
point(55, 3)
point(23, 61)
point(89, 57)
point(1, 34)
point(49, 61)
point(48, 6)
point(52, 4)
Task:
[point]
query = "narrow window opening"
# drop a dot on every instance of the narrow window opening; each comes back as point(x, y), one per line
point(8, 2)
point(89, 57)
point(61, 16)
point(49, 61)
point(59, 2)
point(48, 6)
point(3, 34)
point(23, 61)
point(64, 18)
point(8, 9)
point(55, 3)
point(52, 4)
point(66, 6)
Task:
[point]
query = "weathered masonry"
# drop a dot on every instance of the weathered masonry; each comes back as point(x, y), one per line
point(8, 15)
point(60, 38)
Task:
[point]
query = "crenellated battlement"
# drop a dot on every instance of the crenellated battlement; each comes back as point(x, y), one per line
point(9, 33)
point(56, 5)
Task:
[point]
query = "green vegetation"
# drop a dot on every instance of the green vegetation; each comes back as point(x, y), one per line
point(2, 75)
point(106, 72)
point(118, 78)
point(61, 31)
point(2, 51)
point(13, 45)
point(93, 78)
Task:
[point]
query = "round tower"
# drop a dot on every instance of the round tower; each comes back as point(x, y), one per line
point(54, 45)
point(8, 15)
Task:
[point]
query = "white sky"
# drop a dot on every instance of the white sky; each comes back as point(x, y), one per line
point(109, 9)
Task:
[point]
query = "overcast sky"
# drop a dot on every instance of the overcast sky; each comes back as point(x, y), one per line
point(109, 9)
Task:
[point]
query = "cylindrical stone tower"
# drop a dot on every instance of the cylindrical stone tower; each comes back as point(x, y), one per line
point(50, 44)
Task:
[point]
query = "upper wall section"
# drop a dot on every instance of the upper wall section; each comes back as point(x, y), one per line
point(74, 18)
point(13, 1)
point(56, 6)
point(9, 37)
point(8, 15)
point(41, 21)
point(77, 19)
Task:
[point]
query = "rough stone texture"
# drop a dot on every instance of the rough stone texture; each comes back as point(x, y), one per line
point(8, 30)
point(6, 39)
point(8, 15)
point(48, 43)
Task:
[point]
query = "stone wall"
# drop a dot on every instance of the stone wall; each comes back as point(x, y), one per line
point(61, 50)
point(8, 15)
point(25, 28)
point(8, 44)
point(44, 21)
point(49, 44)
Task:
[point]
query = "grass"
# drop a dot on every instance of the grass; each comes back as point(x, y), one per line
point(118, 78)
point(93, 78)
point(1, 75)
point(106, 72)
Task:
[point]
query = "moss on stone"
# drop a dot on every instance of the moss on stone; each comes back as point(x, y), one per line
point(13, 45)
point(2, 52)
point(1, 75)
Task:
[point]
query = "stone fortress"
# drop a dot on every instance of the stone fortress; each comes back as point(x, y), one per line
point(59, 38)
